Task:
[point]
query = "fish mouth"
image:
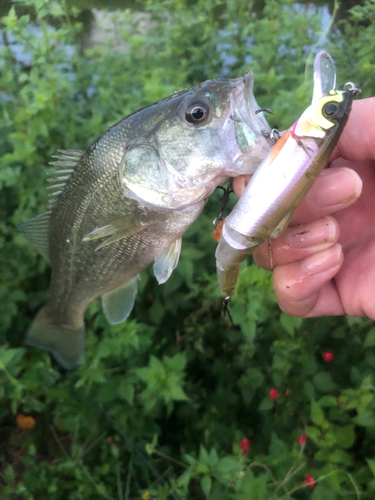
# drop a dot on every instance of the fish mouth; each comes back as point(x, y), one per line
point(250, 127)
point(247, 106)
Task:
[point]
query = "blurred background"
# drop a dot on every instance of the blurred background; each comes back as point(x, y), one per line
point(272, 408)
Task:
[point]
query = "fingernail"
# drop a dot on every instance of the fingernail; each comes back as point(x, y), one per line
point(239, 185)
point(313, 233)
point(323, 260)
point(243, 187)
point(335, 186)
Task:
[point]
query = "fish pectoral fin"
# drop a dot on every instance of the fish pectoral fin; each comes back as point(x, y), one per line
point(36, 231)
point(118, 229)
point(117, 305)
point(167, 261)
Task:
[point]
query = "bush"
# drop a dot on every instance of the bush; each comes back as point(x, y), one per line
point(272, 408)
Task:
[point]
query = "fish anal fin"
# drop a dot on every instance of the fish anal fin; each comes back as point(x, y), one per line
point(66, 344)
point(118, 303)
point(36, 231)
point(167, 261)
point(118, 229)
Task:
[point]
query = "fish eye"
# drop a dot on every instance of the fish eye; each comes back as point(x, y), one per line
point(197, 113)
point(330, 110)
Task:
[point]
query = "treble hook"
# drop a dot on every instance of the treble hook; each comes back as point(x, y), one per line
point(225, 310)
point(272, 137)
point(264, 110)
point(227, 192)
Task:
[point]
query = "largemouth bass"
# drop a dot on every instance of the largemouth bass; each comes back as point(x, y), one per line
point(126, 201)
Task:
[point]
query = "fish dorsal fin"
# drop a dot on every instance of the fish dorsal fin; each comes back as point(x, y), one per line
point(167, 261)
point(117, 305)
point(36, 231)
point(117, 229)
point(65, 164)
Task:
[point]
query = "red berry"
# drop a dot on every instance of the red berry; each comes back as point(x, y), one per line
point(302, 439)
point(328, 356)
point(244, 445)
point(309, 480)
point(274, 393)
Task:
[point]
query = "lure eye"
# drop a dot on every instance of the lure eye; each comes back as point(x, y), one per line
point(197, 113)
point(330, 110)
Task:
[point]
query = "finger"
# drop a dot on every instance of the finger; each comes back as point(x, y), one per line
point(298, 242)
point(334, 190)
point(303, 288)
point(357, 139)
point(240, 183)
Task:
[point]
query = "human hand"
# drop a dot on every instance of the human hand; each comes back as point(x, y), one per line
point(324, 265)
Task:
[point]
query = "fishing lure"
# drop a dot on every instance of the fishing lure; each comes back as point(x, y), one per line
point(284, 177)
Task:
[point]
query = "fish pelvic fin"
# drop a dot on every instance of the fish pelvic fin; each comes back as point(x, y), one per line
point(66, 344)
point(117, 305)
point(36, 231)
point(65, 163)
point(167, 261)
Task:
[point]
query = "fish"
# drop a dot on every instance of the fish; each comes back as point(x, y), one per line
point(280, 183)
point(125, 202)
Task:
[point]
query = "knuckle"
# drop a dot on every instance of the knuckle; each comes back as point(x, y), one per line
point(261, 257)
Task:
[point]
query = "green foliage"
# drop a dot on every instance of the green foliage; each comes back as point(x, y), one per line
point(184, 385)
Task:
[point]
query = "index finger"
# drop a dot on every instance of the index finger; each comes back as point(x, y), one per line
point(357, 141)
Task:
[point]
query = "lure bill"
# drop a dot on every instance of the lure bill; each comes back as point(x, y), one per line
point(280, 183)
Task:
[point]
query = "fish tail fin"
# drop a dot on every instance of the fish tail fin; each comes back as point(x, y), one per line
point(66, 344)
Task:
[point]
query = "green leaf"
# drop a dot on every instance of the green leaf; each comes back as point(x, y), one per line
point(366, 418)
point(277, 446)
point(228, 464)
point(323, 492)
point(11, 356)
point(185, 478)
point(177, 393)
point(371, 464)
point(340, 457)
point(206, 484)
point(345, 435)
point(126, 391)
point(309, 390)
point(266, 404)
point(212, 458)
point(201, 469)
point(323, 382)
point(203, 455)
point(317, 415)
point(370, 338)
point(175, 363)
point(290, 323)
point(328, 401)
point(191, 460)
point(314, 433)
